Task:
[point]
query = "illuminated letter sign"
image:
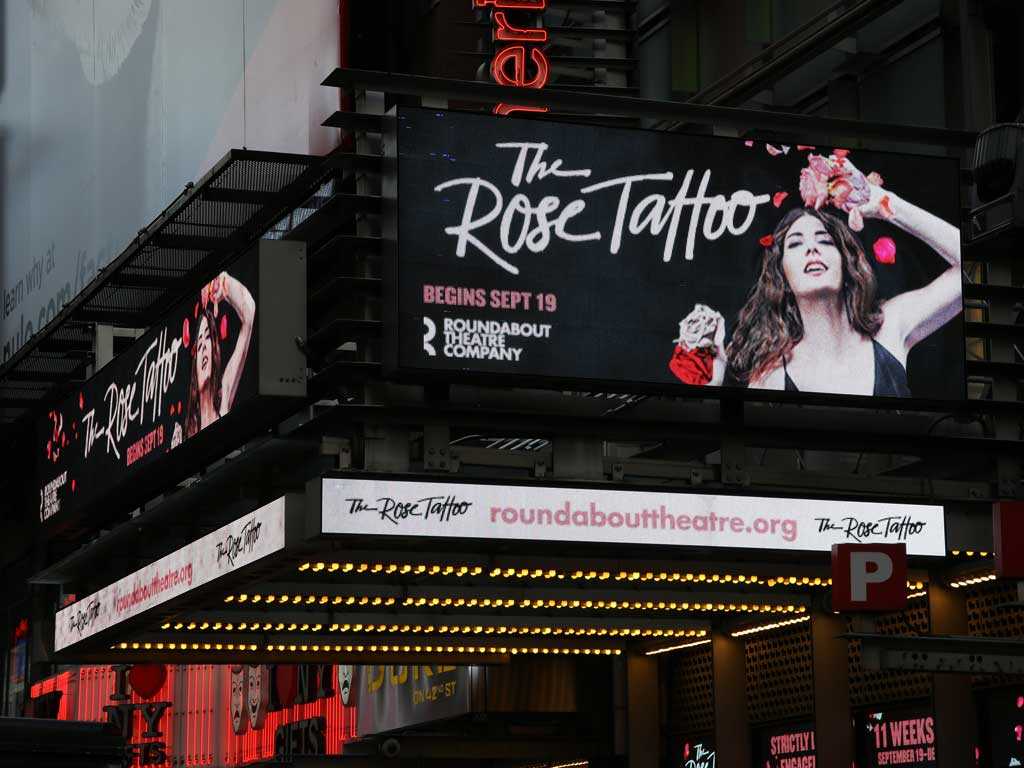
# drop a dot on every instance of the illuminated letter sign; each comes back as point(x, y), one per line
point(509, 66)
point(869, 577)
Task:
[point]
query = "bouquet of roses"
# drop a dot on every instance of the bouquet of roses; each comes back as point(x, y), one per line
point(700, 336)
point(835, 180)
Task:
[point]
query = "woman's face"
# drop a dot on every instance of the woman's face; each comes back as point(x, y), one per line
point(811, 262)
point(204, 352)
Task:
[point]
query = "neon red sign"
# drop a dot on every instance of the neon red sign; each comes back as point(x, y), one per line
point(521, 63)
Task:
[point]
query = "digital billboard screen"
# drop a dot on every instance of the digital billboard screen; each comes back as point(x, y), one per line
point(904, 737)
point(210, 357)
point(565, 253)
point(786, 746)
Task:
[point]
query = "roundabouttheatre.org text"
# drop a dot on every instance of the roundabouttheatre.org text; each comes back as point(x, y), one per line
point(649, 518)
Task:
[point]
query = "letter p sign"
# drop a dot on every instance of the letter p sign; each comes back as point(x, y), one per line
point(869, 577)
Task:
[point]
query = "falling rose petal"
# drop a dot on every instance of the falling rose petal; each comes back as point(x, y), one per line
point(856, 220)
point(840, 153)
point(195, 310)
point(778, 198)
point(804, 147)
point(185, 336)
point(81, 400)
point(885, 206)
point(773, 150)
point(73, 485)
point(748, 143)
point(875, 178)
point(767, 241)
point(223, 327)
point(885, 250)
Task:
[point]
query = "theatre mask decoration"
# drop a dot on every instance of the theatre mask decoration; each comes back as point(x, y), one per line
point(257, 697)
point(239, 691)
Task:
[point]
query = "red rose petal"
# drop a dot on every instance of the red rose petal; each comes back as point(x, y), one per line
point(767, 241)
point(885, 205)
point(804, 147)
point(81, 400)
point(840, 153)
point(885, 250)
point(692, 367)
point(195, 310)
point(223, 327)
point(73, 485)
point(185, 337)
point(778, 197)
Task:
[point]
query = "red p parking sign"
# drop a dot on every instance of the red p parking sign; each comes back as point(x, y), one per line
point(869, 578)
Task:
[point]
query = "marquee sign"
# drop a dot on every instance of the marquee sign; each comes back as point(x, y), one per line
point(575, 255)
point(381, 507)
point(198, 369)
point(240, 543)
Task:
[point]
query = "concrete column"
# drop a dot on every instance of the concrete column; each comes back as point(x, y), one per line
point(951, 694)
point(642, 698)
point(830, 657)
point(732, 724)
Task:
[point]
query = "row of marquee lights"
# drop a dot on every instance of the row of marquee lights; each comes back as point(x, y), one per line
point(371, 648)
point(521, 48)
point(554, 574)
point(539, 603)
point(428, 629)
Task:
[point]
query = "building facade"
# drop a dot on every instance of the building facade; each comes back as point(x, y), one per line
point(611, 382)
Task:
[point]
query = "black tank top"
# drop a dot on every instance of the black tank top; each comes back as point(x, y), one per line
point(890, 375)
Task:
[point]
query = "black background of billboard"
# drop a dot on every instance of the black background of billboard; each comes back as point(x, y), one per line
point(102, 471)
point(618, 314)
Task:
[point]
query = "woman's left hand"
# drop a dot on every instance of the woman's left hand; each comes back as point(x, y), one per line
point(860, 196)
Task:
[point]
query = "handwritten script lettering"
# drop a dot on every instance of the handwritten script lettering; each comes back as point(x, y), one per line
point(396, 511)
point(232, 546)
point(523, 223)
point(141, 399)
point(82, 618)
point(884, 528)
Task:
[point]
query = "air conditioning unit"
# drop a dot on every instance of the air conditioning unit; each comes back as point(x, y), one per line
point(999, 183)
point(999, 161)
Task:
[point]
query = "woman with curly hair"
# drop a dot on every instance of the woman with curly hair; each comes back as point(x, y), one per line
point(212, 389)
point(813, 321)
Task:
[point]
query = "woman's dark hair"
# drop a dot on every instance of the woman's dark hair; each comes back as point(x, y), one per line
point(770, 325)
point(193, 421)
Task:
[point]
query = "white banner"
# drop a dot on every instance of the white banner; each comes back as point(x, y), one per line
point(227, 549)
point(457, 510)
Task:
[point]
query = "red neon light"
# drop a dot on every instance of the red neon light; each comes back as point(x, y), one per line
point(516, 55)
point(513, 5)
point(508, 109)
point(510, 32)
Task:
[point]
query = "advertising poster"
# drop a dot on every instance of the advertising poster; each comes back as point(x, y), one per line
point(786, 746)
point(227, 549)
point(567, 253)
point(180, 377)
point(550, 513)
point(389, 697)
point(904, 737)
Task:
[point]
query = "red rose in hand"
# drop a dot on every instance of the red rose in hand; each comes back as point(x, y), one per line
point(693, 366)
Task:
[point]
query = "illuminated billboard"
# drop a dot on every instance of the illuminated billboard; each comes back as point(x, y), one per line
point(538, 252)
point(451, 509)
point(203, 367)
